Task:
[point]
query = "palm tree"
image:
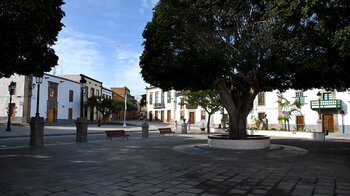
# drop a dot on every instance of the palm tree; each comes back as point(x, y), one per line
point(288, 108)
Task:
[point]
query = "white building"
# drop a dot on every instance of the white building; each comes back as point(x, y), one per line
point(332, 103)
point(59, 99)
point(21, 97)
point(169, 106)
point(107, 93)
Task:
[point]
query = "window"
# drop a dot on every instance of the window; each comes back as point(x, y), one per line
point(169, 97)
point(156, 98)
point(182, 115)
point(92, 92)
point(261, 98)
point(70, 113)
point(182, 103)
point(70, 96)
point(162, 98)
point(203, 114)
point(299, 97)
point(151, 98)
point(13, 110)
point(261, 115)
point(13, 92)
point(327, 96)
point(97, 92)
point(52, 92)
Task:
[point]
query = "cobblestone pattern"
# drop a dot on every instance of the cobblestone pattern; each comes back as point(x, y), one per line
point(151, 167)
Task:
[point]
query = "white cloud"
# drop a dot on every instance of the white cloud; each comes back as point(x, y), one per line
point(78, 53)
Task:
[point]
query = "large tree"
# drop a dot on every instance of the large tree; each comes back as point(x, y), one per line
point(243, 47)
point(209, 100)
point(28, 30)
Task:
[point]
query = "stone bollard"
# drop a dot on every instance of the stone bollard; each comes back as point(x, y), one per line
point(145, 127)
point(36, 131)
point(81, 134)
point(184, 128)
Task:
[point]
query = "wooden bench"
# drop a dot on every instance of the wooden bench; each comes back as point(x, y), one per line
point(116, 133)
point(163, 131)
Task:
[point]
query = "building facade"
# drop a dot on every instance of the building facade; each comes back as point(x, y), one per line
point(333, 110)
point(168, 106)
point(59, 99)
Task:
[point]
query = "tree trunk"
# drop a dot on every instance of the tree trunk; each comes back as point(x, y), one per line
point(238, 104)
point(208, 123)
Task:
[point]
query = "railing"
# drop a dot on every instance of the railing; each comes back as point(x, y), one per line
point(159, 105)
point(326, 104)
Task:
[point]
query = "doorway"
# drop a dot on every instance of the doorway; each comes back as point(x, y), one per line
point(51, 115)
point(328, 122)
point(191, 115)
point(150, 116)
point(169, 116)
point(162, 116)
point(156, 115)
point(300, 123)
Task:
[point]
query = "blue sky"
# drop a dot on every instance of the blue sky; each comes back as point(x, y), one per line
point(103, 39)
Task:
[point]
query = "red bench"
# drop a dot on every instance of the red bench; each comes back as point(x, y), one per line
point(163, 131)
point(116, 133)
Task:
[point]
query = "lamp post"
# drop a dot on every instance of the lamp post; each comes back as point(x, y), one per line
point(82, 89)
point(125, 108)
point(81, 123)
point(39, 80)
point(319, 121)
point(11, 88)
point(100, 100)
point(37, 122)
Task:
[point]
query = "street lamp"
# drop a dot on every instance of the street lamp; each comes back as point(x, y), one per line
point(319, 121)
point(11, 88)
point(39, 80)
point(37, 122)
point(82, 86)
point(125, 108)
point(81, 124)
point(100, 100)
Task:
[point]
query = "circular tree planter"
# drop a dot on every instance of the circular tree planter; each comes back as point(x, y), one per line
point(251, 142)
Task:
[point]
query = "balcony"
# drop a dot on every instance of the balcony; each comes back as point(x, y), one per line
point(326, 104)
point(159, 105)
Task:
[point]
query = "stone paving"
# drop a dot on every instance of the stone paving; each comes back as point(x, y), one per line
point(152, 167)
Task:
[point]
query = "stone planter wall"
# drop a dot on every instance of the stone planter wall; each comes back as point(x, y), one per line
point(291, 134)
point(240, 144)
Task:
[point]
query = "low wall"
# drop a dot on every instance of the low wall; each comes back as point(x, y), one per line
point(291, 134)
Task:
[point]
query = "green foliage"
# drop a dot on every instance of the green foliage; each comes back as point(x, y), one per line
point(143, 100)
point(257, 122)
point(28, 30)
point(105, 106)
point(209, 100)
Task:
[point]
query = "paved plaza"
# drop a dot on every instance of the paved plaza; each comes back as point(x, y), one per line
point(173, 165)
